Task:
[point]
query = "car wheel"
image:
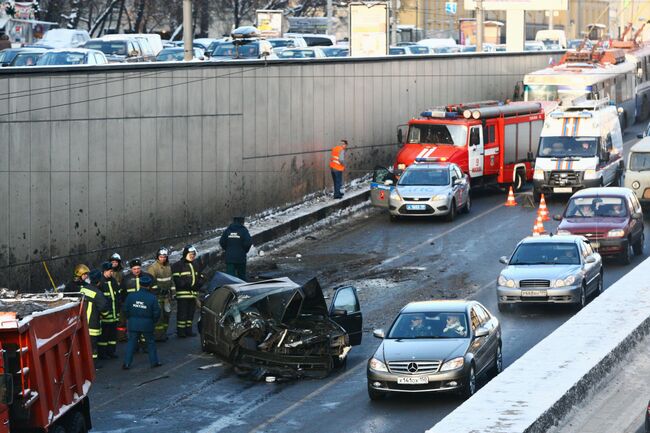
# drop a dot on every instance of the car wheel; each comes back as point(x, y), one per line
point(451, 216)
point(468, 205)
point(374, 394)
point(519, 182)
point(470, 383)
point(339, 363)
point(582, 302)
point(626, 257)
point(498, 362)
point(638, 246)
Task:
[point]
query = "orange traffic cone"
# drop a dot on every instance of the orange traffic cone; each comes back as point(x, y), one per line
point(511, 198)
point(538, 229)
point(543, 210)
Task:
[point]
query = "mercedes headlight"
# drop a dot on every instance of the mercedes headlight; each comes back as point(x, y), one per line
point(617, 233)
point(503, 281)
point(377, 365)
point(453, 364)
point(563, 233)
point(564, 282)
point(538, 174)
point(591, 174)
point(636, 184)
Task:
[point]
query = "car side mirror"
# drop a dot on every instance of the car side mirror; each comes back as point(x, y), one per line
point(207, 54)
point(639, 135)
point(458, 182)
point(557, 217)
point(637, 215)
point(388, 182)
point(503, 259)
point(480, 332)
point(133, 53)
point(339, 312)
point(379, 333)
point(590, 259)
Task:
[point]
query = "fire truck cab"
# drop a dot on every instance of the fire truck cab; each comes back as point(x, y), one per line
point(493, 143)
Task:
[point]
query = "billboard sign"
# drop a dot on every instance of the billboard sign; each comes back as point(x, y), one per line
point(269, 23)
point(368, 28)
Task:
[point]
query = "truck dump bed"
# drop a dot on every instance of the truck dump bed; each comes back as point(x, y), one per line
point(48, 353)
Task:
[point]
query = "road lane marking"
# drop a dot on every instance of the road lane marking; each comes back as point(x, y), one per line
point(436, 237)
point(307, 397)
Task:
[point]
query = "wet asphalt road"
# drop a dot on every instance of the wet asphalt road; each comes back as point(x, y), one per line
point(391, 264)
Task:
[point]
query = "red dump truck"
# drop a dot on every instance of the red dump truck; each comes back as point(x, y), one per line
point(46, 365)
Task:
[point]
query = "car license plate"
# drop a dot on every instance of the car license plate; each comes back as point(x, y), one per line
point(533, 293)
point(415, 380)
point(562, 190)
point(416, 207)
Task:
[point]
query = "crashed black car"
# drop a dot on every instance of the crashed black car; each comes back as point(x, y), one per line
point(279, 328)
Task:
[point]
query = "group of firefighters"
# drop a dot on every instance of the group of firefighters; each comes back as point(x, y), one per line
point(140, 302)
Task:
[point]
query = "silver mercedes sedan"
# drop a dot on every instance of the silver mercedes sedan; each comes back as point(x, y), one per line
point(550, 269)
point(435, 346)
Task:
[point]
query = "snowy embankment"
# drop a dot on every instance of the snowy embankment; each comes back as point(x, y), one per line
point(540, 387)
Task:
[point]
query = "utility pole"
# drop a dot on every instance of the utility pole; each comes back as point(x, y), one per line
point(393, 29)
point(479, 26)
point(329, 17)
point(188, 31)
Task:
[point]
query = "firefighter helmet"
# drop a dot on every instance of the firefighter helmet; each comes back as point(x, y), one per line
point(79, 270)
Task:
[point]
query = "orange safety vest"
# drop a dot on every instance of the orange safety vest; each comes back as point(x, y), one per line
point(335, 163)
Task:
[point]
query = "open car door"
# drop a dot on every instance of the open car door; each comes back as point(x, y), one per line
point(383, 182)
point(346, 311)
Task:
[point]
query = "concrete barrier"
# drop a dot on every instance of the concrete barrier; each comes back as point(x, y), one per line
point(131, 157)
point(540, 387)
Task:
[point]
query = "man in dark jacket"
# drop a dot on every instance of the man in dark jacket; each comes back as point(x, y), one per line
point(142, 312)
point(108, 340)
point(236, 242)
point(96, 305)
point(187, 280)
point(130, 284)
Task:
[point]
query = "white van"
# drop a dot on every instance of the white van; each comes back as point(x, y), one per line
point(152, 39)
point(580, 146)
point(552, 39)
point(637, 174)
point(64, 38)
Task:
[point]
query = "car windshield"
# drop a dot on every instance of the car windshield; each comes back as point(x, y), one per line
point(5, 55)
point(640, 161)
point(419, 49)
point(429, 325)
point(116, 48)
point(428, 177)
point(396, 51)
point(26, 59)
point(62, 58)
point(275, 43)
point(245, 51)
point(561, 147)
point(297, 54)
point(588, 207)
point(536, 253)
point(545, 92)
point(438, 134)
point(170, 55)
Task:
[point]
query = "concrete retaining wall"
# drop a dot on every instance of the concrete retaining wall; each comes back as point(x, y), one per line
point(542, 386)
point(128, 158)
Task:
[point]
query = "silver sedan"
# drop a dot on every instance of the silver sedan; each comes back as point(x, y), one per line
point(429, 189)
point(550, 269)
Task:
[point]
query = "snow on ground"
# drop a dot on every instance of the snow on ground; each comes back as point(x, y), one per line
point(581, 350)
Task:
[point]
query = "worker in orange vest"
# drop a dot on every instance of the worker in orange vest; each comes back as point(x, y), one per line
point(337, 164)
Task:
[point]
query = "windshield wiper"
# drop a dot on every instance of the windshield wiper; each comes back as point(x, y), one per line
point(530, 263)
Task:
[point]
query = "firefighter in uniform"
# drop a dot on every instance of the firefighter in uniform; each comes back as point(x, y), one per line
point(116, 262)
point(236, 242)
point(187, 279)
point(79, 280)
point(96, 305)
point(337, 166)
point(142, 312)
point(108, 340)
point(164, 290)
point(130, 284)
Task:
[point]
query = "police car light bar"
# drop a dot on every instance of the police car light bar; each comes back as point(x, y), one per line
point(431, 159)
point(441, 114)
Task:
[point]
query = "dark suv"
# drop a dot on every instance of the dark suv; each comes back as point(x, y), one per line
point(611, 218)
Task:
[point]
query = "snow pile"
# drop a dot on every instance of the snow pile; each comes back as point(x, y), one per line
point(542, 385)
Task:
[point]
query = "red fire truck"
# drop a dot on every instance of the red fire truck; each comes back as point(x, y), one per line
point(493, 143)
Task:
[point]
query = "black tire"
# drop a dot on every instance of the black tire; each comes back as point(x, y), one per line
point(537, 195)
point(451, 216)
point(338, 363)
point(468, 206)
point(582, 302)
point(519, 181)
point(628, 253)
point(638, 245)
point(76, 423)
point(375, 395)
point(393, 218)
point(469, 387)
point(498, 362)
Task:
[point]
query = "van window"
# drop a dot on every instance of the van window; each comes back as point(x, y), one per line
point(640, 161)
point(475, 136)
